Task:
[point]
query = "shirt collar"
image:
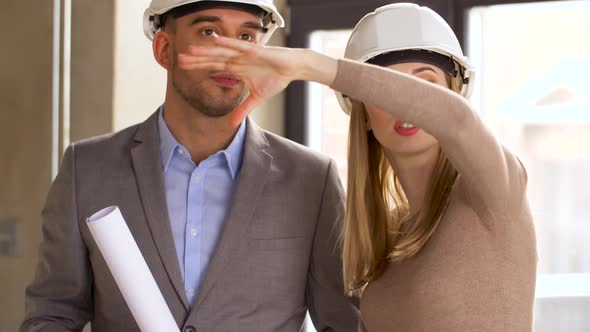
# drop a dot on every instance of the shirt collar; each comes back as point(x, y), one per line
point(168, 143)
point(233, 153)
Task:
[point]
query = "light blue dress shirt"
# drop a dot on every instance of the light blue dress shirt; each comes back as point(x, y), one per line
point(198, 198)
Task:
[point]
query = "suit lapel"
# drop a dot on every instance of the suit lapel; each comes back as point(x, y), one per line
point(150, 181)
point(253, 174)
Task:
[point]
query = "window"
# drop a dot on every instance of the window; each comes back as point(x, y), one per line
point(533, 90)
point(327, 124)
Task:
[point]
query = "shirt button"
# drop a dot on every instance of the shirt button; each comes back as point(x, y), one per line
point(193, 232)
point(189, 329)
point(191, 292)
point(180, 151)
point(197, 178)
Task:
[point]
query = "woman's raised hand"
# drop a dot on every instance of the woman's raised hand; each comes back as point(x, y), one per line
point(265, 70)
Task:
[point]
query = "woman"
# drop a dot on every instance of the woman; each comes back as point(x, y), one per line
point(438, 235)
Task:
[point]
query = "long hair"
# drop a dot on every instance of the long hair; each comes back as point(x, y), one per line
point(375, 228)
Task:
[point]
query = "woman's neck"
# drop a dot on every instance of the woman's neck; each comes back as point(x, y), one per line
point(415, 174)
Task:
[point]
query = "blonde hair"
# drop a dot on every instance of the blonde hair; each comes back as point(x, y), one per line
point(375, 229)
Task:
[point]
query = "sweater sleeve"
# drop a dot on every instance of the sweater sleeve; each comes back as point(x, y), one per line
point(493, 176)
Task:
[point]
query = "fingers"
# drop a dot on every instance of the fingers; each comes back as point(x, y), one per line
point(195, 59)
point(226, 50)
point(211, 57)
point(235, 44)
point(242, 111)
point(214, 65)
point(190, 62)
point(220, 66)
point(209, 51)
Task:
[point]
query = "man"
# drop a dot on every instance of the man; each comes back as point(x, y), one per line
point(238, 226)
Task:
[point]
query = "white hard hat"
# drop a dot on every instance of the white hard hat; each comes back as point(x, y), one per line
point(273, 20)
point(402, 27)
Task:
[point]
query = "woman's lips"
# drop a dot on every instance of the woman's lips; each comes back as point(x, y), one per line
point(402, 129)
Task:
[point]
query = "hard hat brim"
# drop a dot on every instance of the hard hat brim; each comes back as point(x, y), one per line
point(150, 28)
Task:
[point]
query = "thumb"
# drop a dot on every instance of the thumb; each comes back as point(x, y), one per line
point(243, 110)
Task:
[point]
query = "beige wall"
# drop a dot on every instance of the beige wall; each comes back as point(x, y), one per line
point(25, 147)
point(92, 68)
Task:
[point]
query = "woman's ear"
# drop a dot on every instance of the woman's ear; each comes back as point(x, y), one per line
point(367, 120)
point(161, 48)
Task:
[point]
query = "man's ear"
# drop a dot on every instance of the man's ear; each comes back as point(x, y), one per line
point(161, 47)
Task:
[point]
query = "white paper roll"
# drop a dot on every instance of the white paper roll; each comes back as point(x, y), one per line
point(130, 271)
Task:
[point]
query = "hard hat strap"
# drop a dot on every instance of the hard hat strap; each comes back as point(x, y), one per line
point(447, 64)
point(464, 78)
point(267, 20)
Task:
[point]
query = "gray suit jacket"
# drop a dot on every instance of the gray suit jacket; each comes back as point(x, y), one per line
point(277, 256)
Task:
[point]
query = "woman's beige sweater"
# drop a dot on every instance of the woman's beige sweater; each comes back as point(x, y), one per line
point(477, 272)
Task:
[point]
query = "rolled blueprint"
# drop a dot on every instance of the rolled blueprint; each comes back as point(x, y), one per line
point(130, 271)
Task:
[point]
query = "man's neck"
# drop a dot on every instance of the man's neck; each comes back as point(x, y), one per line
point(201, 135)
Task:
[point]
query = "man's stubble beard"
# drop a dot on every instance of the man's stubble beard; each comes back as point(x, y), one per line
point(195, 94)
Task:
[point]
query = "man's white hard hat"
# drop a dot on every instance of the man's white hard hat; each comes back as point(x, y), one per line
point(273, 19)
point(405, 26)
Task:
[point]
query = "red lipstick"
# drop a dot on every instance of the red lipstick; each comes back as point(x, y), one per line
point(404, 131)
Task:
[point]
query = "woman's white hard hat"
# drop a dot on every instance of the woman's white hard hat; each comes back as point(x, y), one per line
point(159, 7)
point(405, 26)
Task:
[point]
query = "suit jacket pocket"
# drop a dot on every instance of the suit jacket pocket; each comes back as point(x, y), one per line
point(285, 243)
